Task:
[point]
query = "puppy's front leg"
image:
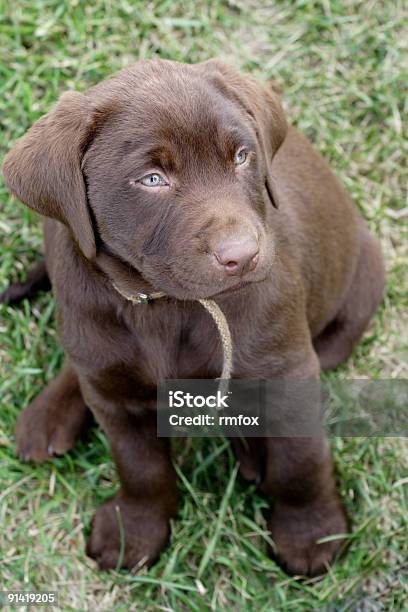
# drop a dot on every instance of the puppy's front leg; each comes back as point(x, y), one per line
point(134, 526)
point(305, 504)
point(298, 475)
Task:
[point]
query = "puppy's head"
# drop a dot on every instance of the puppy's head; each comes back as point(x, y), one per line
point(165, 166)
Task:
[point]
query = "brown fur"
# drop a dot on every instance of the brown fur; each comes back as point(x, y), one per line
point(318, 280)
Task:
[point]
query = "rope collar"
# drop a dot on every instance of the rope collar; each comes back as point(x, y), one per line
point(218, 317)
point(140, 298)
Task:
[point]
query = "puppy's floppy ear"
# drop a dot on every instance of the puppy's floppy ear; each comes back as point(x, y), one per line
point(43, 169)
point(263, 107)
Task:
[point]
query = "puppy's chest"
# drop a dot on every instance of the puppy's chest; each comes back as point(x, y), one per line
point(186, 345)
point(185, 342)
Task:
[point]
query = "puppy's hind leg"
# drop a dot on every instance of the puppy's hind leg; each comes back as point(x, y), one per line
point(37, 280)
point(335, 343)
point(54, 420)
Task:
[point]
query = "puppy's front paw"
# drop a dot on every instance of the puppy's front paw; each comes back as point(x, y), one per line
point(296, 530)
point(127, 532)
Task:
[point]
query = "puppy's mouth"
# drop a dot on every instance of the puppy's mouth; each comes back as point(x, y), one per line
point(172, 282)
point(238, 288)
point(196, 290)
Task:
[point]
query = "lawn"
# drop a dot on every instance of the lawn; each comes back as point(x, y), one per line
point(342, 67)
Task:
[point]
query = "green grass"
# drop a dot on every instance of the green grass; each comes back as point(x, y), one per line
point(343, 69)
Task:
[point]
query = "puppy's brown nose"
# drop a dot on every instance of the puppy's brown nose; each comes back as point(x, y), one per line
point(237, 256)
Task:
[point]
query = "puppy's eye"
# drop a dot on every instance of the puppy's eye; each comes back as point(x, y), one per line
point(240, 156)
point(153, 180)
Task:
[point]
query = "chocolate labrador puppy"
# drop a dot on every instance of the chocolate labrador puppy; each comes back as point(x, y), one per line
point(187, 180)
